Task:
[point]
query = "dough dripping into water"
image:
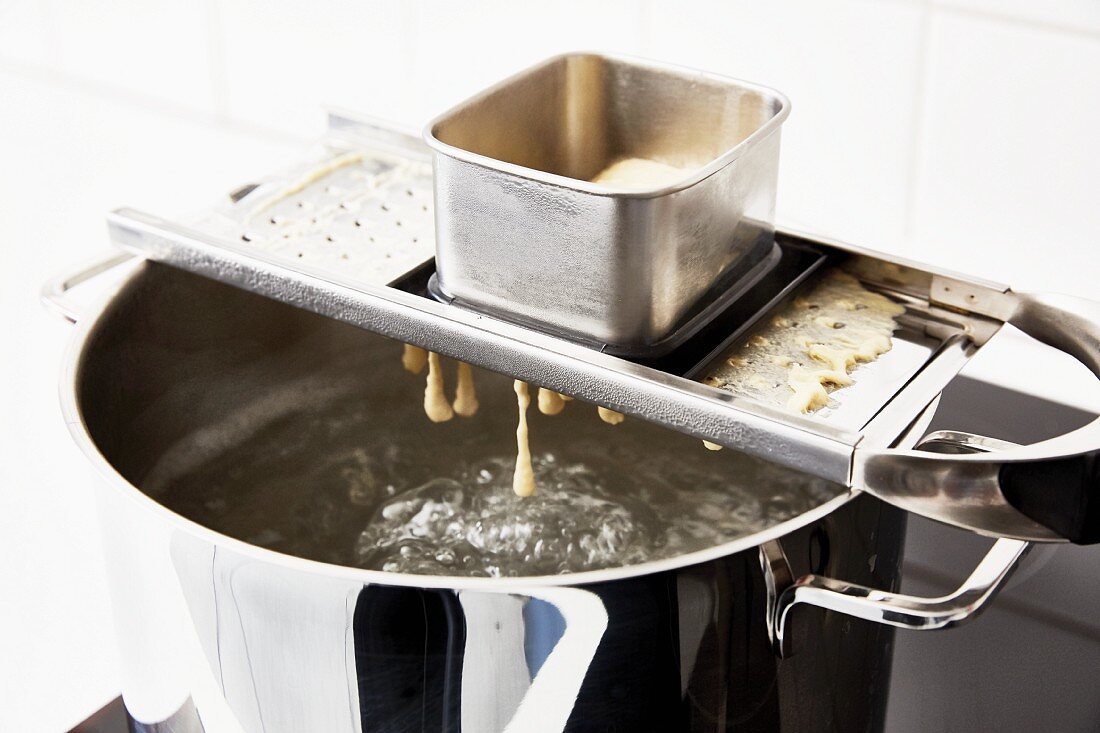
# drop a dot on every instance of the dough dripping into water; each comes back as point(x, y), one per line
point(353, 481)
point(523, 481)
point(610, 416)
point(466, 403)
point(436, 405)
point(438, 409)
point(550, 402)
point(414, 359)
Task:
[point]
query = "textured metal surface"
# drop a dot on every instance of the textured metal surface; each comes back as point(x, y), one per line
point(522, 233)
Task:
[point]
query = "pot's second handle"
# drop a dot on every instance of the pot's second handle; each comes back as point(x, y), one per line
point(55, 292)
point(1046, 492)
point(883, 607)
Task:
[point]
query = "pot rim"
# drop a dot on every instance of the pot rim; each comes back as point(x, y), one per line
point(75, 353)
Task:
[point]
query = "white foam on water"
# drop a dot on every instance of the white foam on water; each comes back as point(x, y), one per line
point(476, 525)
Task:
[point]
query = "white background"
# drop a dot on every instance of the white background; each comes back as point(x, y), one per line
point(964, 133)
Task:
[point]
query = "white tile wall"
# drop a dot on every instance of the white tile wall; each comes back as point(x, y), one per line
point(463, 47)
point(404, 61)
point(285, 60)
point(850, 68)
point(1007, 182)
point(24, 31)
point(159, 48)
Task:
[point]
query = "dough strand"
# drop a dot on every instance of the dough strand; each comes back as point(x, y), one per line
point(550, 402)
point(436, 405)
point(610, 416)
point(523, 481)
point(414, 359)
point(466, 403)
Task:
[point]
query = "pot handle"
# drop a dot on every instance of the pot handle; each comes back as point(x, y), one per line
point(883, 607)
point(892, 609)
point(1045, 492)
point(55, 290)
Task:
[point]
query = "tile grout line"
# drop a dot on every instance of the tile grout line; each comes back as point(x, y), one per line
point(917, 132)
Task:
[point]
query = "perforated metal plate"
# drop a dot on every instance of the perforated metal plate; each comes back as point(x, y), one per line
point(363, 214)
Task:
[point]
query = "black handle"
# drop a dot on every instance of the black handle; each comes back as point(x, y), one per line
point(1062, 494)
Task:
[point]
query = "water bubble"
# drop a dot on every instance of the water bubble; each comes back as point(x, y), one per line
point(497, 533)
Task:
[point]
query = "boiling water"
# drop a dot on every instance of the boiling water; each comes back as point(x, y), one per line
point(370, 482)
point(476, 525)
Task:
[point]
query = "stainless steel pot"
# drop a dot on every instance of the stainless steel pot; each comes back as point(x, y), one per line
point(247, 638)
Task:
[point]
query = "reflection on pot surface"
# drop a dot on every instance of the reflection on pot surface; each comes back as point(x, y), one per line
point(682, 650)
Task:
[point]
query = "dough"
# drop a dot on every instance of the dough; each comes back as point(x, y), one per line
point(523, 481)
point(465, 394)
point(550, 402)
point(414, 359)
point(640, 173)
point(811, 345)
point(809, 391)
point(436, 405)
point(610, 416)
point(310, 177)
